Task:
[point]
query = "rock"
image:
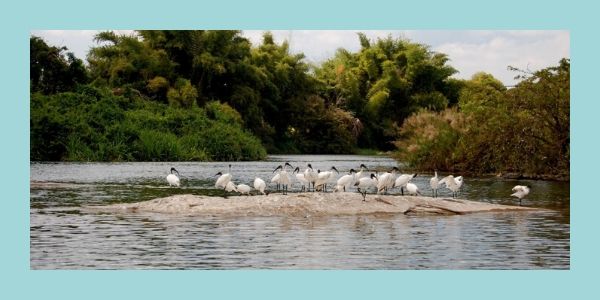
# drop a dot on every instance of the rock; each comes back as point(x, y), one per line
point(303, 204)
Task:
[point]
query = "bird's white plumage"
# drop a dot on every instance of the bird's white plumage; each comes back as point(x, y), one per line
point(450, 183)
point(412, 189)
point(260, 185)
point(386, 181)
point(284, 178)
point(459, 181)
point(360, 174)
point(173, 180)
point(301, 180)
point(365, 183)
point(310, 175)
point(223, 180)
point(243, 189)
point(323, 178)
point(520, 191)
point(230, 187)
point(434, 182)
point(403, 179)
point(345, 181)
point(276, 179)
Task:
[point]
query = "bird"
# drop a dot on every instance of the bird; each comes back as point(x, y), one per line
point(363, 184)
point(223, 179)
point(451, 184)
point(361, 173)
point(434, 182)
point(323, 178)
point(346, 180)
point(260, 185)
point(230, 187)
point(459, 182)
point(310, 175)
point(301, 179)
point(276, 179)
point(173, 179)
point(403, 180)
point(412, 189)
point(284, 179)
point(520, 191)
point(243, 189)
point(386, 180)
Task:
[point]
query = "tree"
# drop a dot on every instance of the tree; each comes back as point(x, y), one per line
point(52, 69)
point(126, 61)
point(384, 83)
point(523, 130)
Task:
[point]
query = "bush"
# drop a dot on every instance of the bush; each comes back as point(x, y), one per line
point(96, 125)
point(227, 143)
point(522, 130)
point(183, 95)
point(430, 140)
point(157, 146)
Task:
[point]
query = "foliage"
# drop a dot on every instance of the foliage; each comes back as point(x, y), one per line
point(103, 127)
point(52, 70)
point(124, 60)
point(212, 95)
point(524, 129)
point(384, 83)
point(183, 94)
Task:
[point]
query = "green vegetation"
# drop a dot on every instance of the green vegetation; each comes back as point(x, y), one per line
point(523, 130)
point(95, 125)
point(212, 95)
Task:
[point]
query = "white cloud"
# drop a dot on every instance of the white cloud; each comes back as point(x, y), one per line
point(531, 50)
point(470, 51)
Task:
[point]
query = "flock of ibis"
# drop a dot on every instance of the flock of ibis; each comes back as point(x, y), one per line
point(363, 180)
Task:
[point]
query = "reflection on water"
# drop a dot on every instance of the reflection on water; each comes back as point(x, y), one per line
point(63, 237)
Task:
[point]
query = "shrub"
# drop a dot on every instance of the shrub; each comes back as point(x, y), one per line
point(183, 94)
point(157, 146)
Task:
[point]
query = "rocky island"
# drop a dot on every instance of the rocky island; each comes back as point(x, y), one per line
point(308, 204)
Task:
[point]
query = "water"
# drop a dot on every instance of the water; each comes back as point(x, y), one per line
point(64, 237)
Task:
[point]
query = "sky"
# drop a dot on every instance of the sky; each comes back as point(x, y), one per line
point(470, 51)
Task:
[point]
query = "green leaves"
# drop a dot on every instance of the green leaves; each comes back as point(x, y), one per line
point(98, 126)
point(385, 82)
point(524, 129)
point(53, 70)
point(183, 95)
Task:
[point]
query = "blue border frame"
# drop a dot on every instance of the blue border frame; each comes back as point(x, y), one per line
point(21, 17)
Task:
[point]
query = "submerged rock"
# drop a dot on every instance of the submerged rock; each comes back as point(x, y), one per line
point(304, 204)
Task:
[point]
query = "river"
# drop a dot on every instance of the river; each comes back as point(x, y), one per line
point(62, 236)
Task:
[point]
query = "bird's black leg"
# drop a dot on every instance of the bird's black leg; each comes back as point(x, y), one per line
point(402, 190)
